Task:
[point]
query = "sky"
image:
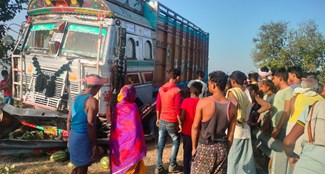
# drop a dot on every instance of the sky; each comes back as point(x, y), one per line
point(232, 25)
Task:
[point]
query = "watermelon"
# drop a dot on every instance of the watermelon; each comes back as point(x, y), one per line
point(15, 134)
point(59, 156)
point(51, 151)
point(104, 163)
point(27, 136)
point(40, 135)
point(70, 164)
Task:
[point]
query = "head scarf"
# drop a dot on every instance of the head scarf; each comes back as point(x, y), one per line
point(127, 94)
point(93, 80)
point(264, 74)
point(127, 143)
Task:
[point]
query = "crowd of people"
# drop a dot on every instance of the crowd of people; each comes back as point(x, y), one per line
point(213, 120)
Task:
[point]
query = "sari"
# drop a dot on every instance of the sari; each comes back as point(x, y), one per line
point(127, 143)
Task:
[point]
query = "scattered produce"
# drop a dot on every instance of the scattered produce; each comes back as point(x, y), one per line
point(70, 164)
point(7, 169)
point(59, 156)
point(104, 163)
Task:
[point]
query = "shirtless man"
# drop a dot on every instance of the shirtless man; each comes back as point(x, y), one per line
point(213, 116)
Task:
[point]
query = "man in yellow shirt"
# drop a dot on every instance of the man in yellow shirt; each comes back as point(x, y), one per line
point(302, 97)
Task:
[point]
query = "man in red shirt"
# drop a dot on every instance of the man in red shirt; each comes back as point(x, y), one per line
point(6, 87)
point(188, 112)
point(168, 120)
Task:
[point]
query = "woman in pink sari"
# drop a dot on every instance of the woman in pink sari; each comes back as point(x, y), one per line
point(127, 144)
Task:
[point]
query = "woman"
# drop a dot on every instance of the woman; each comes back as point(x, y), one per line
point(127, 144)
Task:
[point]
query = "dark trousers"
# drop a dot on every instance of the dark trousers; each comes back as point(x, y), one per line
point(187, 146)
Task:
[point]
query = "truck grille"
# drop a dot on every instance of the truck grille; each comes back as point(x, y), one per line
point(39, 98)
point(74, 90)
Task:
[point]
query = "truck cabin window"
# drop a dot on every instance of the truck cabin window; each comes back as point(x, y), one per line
point(82, 41)
point(39, 38)
point(130, 49)
point(147, 51)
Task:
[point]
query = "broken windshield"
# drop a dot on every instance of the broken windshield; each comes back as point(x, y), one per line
point(83, 40)
point(39, 38)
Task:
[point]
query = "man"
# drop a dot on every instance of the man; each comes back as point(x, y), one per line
point(264, 73)
point(168, 120)
point(295, 75)
point(81, 126)
point(213, 116)
point(6, 87)
point(303, 97)
point(200, 75)
point(310, 124)
point(281, 104)
point(240, 158)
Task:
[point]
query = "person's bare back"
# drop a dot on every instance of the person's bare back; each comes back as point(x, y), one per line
point(207, 107)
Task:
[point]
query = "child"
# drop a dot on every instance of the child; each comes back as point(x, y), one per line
point(269, 90)
point(259, 105)
point(188, 112)
point(6, 87)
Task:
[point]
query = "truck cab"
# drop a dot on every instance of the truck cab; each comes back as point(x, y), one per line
point(62, 41)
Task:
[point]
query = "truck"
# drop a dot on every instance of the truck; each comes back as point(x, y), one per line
point(62, 41)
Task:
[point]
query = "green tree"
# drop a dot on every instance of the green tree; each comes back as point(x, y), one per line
point(278, 46)
point(8, 10)
point(309, 46)
point(270, 45)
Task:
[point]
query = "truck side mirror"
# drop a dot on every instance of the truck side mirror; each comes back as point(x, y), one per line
point(8, 40)
point(122, 37)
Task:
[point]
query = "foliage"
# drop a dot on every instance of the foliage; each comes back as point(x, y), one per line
point(278, 46)
point(8, 10)
point(3, 51)
point(4, 56)
point(270, 44)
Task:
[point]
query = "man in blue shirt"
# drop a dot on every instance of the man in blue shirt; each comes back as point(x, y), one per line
point(81, 125)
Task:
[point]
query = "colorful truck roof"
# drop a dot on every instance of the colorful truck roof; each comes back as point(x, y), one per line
point(99, 8)
point(90, 7)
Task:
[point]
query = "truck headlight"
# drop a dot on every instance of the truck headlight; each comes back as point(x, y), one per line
point(30, 69)
point(72, 76)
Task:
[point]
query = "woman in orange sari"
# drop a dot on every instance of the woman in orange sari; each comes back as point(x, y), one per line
point(127, 143)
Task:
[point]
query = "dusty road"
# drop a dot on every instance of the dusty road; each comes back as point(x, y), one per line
point(33, 164)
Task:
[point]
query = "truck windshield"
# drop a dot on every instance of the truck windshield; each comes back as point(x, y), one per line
point(82, 40)
point(39, 38)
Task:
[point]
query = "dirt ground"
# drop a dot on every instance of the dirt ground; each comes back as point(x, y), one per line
point(34, 164)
